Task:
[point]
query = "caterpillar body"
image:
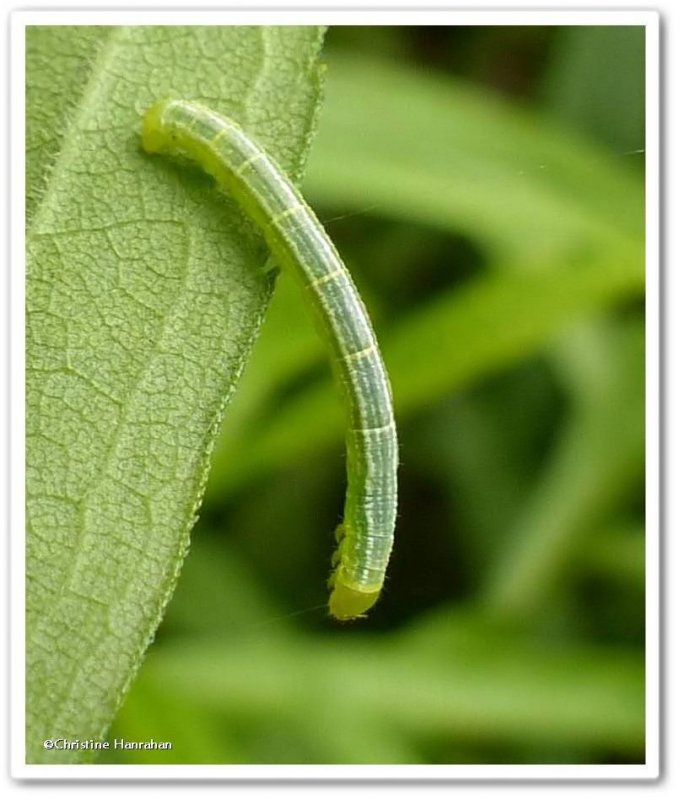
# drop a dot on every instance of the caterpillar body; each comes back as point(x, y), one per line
point(298, 242)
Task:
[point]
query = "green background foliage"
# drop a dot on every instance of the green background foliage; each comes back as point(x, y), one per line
point(485, 187)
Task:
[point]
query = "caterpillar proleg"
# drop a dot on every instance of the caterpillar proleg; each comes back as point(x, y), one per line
point(298, 242)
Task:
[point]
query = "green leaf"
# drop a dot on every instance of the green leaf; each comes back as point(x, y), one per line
point(144, 294)
point(58, 61)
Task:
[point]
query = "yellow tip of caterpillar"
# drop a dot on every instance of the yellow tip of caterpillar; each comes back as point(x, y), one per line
point(153, 138)
point(347, 603)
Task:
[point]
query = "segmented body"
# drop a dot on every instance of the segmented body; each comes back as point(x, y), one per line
point(299, 243)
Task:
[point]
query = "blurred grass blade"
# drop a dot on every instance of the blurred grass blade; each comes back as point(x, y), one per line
point(455, 340)
point(611, 108)
point(451, 678)
point(465, 161)
point(597, 462)
point(431, 150)
point(617, 554)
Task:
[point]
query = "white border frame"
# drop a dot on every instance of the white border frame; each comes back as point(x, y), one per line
point(371, 16)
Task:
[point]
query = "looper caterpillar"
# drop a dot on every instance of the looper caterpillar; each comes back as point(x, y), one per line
point(299, 243)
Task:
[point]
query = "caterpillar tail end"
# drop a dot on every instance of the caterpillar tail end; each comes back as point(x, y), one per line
point(347, 603)
point(153, 137)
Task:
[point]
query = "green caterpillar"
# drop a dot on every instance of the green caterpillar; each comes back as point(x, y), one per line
point(298, 242)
